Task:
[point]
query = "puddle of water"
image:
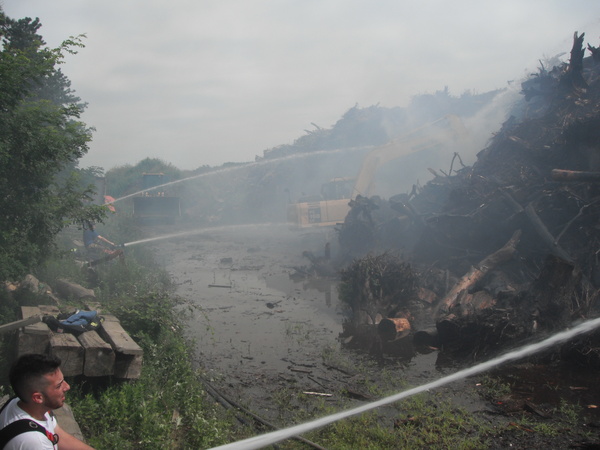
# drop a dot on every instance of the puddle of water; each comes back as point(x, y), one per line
point(549, 385)
point(254, 316)
point(260, 322)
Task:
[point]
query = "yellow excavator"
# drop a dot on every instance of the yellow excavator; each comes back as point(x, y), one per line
point(332, 206)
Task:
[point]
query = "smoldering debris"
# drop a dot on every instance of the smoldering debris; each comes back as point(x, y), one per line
point(499, 252)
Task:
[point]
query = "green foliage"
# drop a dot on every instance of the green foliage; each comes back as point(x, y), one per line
point(60, 266)
point(569, 412)
point(8, 307)
point(8, 313)
point(167, 406)
point(493, 388)
point(41, 139)
point(364, 432)
point(423, 422)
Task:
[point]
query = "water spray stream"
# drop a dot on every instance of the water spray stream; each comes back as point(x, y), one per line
point(207, 230)
point(244, 166)
point(276, 436)
point(286, 158)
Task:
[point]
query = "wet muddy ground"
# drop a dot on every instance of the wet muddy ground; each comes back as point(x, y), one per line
point(268, 339)
point(252, 315)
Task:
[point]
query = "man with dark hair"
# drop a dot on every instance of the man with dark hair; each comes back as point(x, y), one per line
point(40, 387)
point(98, 248)
point(93, 241)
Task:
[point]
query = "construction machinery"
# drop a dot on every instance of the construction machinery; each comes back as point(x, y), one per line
point(155, 204)
point(332, 206)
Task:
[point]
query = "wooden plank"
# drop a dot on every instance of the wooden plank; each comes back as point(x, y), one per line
point(19, 324)
point(33, 338)
point(99, 357)
point(128, 354)
point(49, 310)
point(110, 318)
point(32, 343)
point(93, 306)
point(36, 328)
point(66, 347)
point(112, 331)
point(128, 367)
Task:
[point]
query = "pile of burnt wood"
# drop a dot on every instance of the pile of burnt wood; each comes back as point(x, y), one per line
point(485, 257)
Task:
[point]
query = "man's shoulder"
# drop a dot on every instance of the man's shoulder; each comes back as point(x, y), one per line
point(10, 414)
point(4, 400)
point(29, 440)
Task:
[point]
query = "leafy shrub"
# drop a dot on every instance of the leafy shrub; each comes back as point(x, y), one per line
point(165, 408)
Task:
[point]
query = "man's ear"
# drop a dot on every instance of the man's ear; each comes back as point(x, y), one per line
point(37, 397)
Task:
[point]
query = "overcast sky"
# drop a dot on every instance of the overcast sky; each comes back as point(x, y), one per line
point(197, 82)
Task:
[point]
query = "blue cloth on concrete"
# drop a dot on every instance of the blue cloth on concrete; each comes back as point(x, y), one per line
point(81, 318)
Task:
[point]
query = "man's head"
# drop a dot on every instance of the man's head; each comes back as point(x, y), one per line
point(37, 379)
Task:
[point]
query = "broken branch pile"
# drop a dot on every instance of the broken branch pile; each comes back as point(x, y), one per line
point(500, 251)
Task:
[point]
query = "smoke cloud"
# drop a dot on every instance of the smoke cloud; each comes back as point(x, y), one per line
point(204, 83)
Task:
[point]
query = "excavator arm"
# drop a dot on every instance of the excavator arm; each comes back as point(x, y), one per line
point(332, 210)
point(449, 128)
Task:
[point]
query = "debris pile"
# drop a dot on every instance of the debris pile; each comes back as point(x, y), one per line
point(498, 252)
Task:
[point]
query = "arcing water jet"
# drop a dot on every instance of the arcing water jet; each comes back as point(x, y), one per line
point(204, 230)
point(229, 169)
point(280, 435)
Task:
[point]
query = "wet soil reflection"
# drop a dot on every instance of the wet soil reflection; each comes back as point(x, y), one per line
point(254, 315)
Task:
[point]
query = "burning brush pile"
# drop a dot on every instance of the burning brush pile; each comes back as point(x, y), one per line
point(492, 255)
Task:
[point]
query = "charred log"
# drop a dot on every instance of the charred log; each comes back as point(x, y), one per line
point(391, 329)
point(486, 333)
point(573, 78)
point(427, 337)
point(561, 294)
point(575, 175)
point(458, 293)
point(555, 299)
point(595, 51)
point(545, 235)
